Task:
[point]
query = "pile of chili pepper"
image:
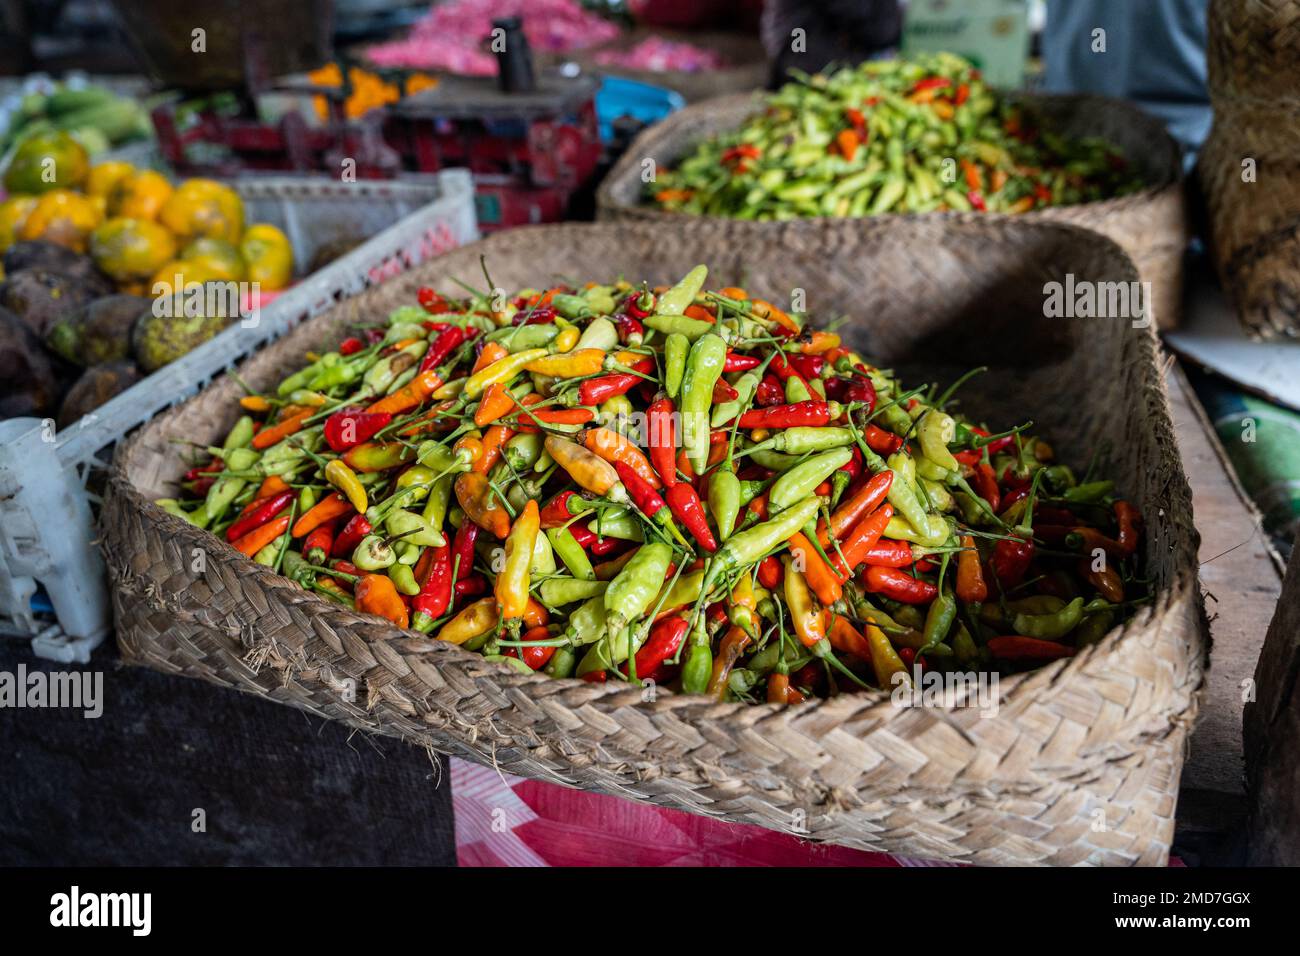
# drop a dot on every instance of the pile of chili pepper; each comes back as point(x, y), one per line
point(914, 135)
point(676, 485)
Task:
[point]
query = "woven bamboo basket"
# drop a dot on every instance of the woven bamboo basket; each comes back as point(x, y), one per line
point(1080, 763)
point(1150, 225)
point(1249, 167)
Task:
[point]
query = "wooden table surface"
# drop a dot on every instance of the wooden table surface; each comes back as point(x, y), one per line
point(1241, 577)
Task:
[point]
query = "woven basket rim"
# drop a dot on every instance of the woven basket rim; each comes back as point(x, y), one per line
point(1170, 181)
point(864, 706)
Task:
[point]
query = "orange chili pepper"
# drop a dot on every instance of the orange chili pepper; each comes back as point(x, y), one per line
point(970, 586)
point(847, 141)
point(684, 466)
point(511, 587)
point(327, 509)
point(481, 504)
point(492, 352)
point(734, 292)
point(766, 310)
point(496, 401)
point(613, 447)
point(494, 442)
point(254, 403)
point(271, 434)
point(409, 395)
point(376, 594)
point(693, 311)
point(674, 195)
point(819, 341)
point(860, 541)
point(733, 645)
point(259, 538)
point(271, 485)
point(569, 364)
point(845, 637)
point(821, 578)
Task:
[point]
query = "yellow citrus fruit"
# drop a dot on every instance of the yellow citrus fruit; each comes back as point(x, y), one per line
point(46, 162)
point(105, 176)
point(63, 217)
point(13, 213)
point(269, 256)
point(140, 195)
point(164, 280)
point(130, 250)
point(222, 257)
point(202, 207)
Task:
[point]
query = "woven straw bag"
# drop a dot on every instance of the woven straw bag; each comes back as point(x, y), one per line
point(1150, 225)
point(1254, 209)
point(1080, 763)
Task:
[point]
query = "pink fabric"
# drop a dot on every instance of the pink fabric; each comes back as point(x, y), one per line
point(507, 821)
point(450, 36)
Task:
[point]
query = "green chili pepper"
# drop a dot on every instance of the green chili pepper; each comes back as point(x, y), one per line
point(403, 579)
point(240, 435)
point(746, 385)
point(587, 623)
point(631, 592)
point(802, 439)
point(612, 523)
point(1090, 493)
point(557, 592)
point(934, 432)
point(1050, 626)
point(571, 553)
point(413, 529)
point(689, 329)
point(751, 545)
point(675, 300)
point(435, 508)
point(698, 666)
point(1099, 618)
point(801, 480)
point(724, 500)
point(600, 334)
point(373, 553)
point(703, 369)
point(225, 488)
point(561, 663)
point(676, 347)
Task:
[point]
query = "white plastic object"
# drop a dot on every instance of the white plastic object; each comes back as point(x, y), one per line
point(47, 510)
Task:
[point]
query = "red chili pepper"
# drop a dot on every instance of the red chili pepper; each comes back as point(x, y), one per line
point(349, 427)
point(630, 329)
point(908, 656)
point(685, 505)
point(740, 363)
point(977, 201)
point(724, 392)
point(809, 366)
point(780, 365)
point(595, 677)
point(898, 585)
point(556, 511)
point(985, 484)
point(881, 441)
point(811, 413)
point(194, 474)
point(430, 300)
point(462, 551)
point(351, 345)
point(595, 391)
point(1010, 560)
point(542, 315)
point(1016, 648)
point(662, 440)
point(639, 304)
point(888, 553)
point(348, 539)
point(535, 657)
point(435, 593)
point(317, 545)
point(664, 640)
point(931, 83)
point(583, 535)
point(1130, 521)
point(963, 94)
point(641, 492)
point(769, 392)
point(441, 347)
point(600, 547)
point(770, 572)
point(260, 515)
point(469, 587)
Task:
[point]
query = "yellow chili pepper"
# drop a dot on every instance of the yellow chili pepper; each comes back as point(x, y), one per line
point(884, 659)
point(501, 370)
point(744, 605)
point(512, 583)
point(590, 471)
point(569, 365)
point(567, 339)
point(806, 617)
point(254, 403)
point(474, 620)
point(345, 480)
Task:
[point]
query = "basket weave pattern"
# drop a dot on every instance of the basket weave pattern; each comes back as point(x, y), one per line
point(1253, 55)
point(1150, 225)
point(1079, 765)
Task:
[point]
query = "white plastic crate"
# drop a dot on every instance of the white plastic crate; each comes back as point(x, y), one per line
point(47, 476)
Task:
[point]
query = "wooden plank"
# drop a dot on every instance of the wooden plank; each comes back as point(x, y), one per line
point(1241, 579)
